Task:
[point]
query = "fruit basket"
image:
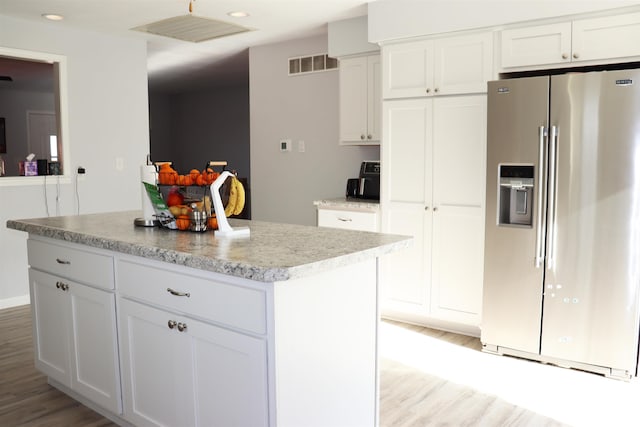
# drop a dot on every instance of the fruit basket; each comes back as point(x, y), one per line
point(186, 206)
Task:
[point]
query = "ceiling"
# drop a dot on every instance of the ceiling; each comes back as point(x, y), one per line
point(175, 65)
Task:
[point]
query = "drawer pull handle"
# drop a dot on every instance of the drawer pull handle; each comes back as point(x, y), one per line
point(178, 294)
point(182, 326)
point(63, 286)
point(344, 219)
point(62, 261)
point(172, 324)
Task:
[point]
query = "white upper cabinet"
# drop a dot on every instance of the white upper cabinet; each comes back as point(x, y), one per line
point(360, 100)
point(596, 40)
point(447, 66)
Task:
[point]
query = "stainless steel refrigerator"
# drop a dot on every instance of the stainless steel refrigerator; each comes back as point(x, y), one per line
point(562, 248)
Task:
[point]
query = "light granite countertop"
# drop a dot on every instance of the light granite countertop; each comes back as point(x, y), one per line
point(348, 203)
point(272, 252)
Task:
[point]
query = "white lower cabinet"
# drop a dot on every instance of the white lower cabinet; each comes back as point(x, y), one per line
point(75, 337)
point(183, 372)
point(349, 219)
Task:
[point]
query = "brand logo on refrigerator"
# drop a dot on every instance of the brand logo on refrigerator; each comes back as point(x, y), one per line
point(624, 82)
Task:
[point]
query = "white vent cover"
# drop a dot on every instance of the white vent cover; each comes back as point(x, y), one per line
point(191, 28)
point(311, 64)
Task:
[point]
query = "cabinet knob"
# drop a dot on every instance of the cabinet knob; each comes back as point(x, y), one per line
point(426, 208)
point(182, 326)
point(576, 56)
point(436, 90)
point(172, 324)
point(62, 286)
point(428, 90)
point(435, 208)
point(362, 136)
point(565, 56)
point(369, 137)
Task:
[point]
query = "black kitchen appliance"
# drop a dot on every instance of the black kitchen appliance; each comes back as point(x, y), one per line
point(367, 185)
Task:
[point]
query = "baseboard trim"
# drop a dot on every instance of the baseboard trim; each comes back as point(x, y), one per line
point(15, 301)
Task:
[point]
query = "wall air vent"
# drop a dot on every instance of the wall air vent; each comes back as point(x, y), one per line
point(311, 64)
point(191, 28)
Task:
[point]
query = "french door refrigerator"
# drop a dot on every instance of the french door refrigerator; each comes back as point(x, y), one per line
point(562, 244)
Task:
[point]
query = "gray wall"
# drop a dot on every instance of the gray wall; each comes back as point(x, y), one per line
point(192, 128)
point(302, 107)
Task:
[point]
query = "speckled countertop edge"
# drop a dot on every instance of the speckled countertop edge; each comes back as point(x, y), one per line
point(345, 203)
point(273, 252)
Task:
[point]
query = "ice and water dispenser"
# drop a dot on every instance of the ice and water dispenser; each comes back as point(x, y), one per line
point(515, 199)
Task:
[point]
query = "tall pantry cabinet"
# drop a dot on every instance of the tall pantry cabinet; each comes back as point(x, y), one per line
point(433, 155)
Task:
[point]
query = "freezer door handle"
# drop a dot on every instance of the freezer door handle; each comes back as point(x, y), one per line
point(553, 194)
point(542, 133)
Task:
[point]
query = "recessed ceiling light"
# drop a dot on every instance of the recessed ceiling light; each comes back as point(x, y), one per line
point(52, 16)
point(238, 14)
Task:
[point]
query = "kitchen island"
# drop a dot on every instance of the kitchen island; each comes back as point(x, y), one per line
point(151, 326)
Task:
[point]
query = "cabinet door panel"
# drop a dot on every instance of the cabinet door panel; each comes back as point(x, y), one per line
point(157, 368)
point(50, 309)
point(607, 37)
point(539, 45)
point(458, 254)
point(407, 69)
point(374, 103)
point(406, 274)
point(463, 64)
point(230, 377)
point(407, 151)
point(95, 357)
point(353, 99)
point(459, 150)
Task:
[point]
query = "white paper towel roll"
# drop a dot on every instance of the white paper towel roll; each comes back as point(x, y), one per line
point(149, 175)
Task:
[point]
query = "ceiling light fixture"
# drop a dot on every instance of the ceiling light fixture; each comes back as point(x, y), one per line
point(238, 14)
point(52, 16)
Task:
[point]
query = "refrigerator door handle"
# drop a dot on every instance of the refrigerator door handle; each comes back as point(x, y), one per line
point(542, 133)
point(553, 182)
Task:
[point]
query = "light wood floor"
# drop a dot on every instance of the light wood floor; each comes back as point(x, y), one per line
point(409, 397)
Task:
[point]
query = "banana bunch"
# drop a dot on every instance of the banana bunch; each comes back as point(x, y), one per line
point(236, 198)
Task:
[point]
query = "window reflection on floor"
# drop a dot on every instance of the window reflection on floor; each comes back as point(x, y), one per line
point(567, 396)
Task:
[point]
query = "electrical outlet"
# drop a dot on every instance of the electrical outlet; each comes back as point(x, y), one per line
point(119, 163)
point(301, 146)
point(81, 172)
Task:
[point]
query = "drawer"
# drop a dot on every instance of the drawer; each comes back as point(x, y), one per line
point(350, 220)
point(224, 303)
point(76, 264)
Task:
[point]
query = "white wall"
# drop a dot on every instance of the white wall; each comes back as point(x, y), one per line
point(108, 119)
point(397, 19)
point(302, 107)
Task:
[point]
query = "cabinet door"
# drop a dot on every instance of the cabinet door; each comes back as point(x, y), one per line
point(459, 199)
point(463, 64)
point(353, 99)
point(157, 369)
point(374, 97)
point(539, 45)
point(606, 38)
point(96, 368)
point(407, 69)
point(200, 376)
point(406, 203)
point(50, 307)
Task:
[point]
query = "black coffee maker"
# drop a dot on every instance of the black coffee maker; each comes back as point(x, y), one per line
point(367, 185)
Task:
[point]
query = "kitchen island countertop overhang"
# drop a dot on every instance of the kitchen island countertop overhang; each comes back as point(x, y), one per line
point(273, 251)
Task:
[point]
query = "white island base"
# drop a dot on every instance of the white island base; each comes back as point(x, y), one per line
point(199, 348)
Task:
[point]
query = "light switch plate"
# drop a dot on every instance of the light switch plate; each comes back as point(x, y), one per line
point(285, 145)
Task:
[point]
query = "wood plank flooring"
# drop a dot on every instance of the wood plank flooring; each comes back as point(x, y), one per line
point(25, 397)
point(409, 397)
